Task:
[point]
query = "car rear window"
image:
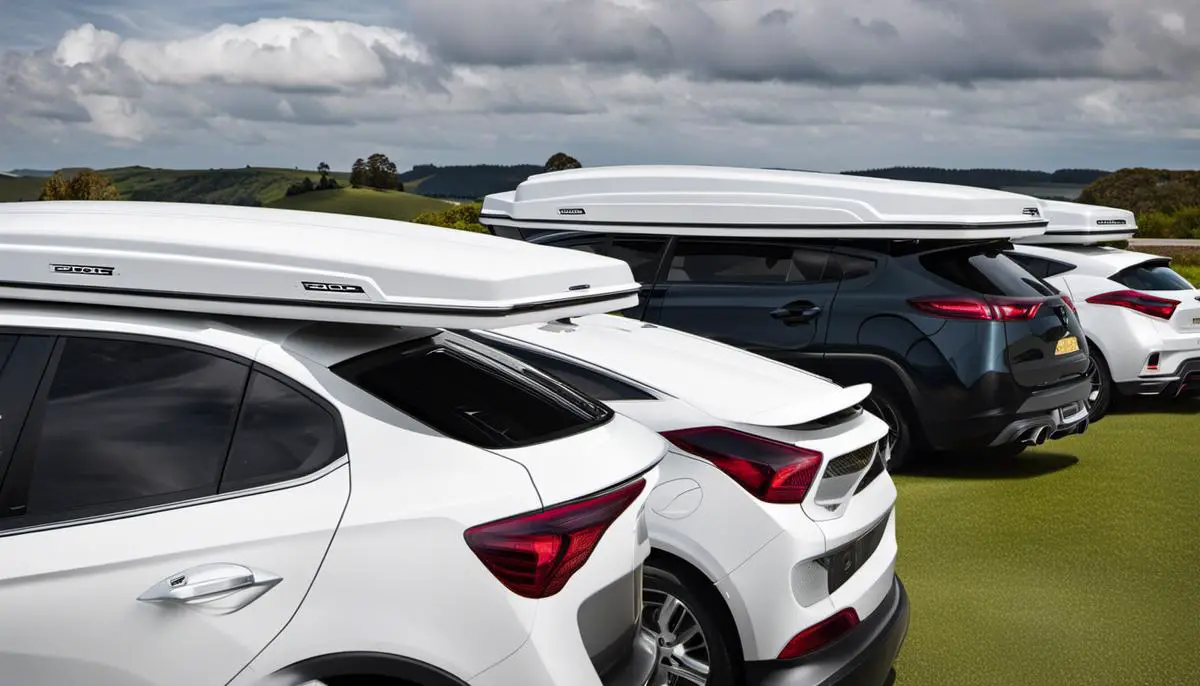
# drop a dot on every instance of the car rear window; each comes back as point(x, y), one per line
point(470, 393)
point(1153, 275)
point(985, 271)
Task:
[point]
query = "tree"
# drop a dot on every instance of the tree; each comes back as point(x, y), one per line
point(464, 217)
point(86, 185)
point(327, 182)
point(358, 173)
point(560, 161)
point(323, 170)
point(382, 172)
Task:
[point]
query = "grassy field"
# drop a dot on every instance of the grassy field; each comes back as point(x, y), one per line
point(1076, 563)
point(19, 188)
point(364, 202)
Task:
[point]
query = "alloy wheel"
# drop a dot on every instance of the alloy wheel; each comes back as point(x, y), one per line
point(682, 649)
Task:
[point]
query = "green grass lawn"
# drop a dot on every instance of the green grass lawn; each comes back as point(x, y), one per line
point(19, 188)
point(1076, 563)
point(364, 202)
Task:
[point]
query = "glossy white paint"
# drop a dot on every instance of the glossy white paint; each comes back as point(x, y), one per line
point(1125, 338)
point(724, 201)
point(371, 554)
point(294, 265)
point(1073, 223)
point(759, 555)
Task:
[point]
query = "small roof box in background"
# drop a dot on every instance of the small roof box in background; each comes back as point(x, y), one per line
point(284, 264)
point(725, 201)
point(1073, 223)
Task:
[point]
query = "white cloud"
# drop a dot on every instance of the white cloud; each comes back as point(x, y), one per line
point(817, 84)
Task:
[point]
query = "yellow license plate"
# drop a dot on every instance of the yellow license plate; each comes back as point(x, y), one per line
point(1066, 346)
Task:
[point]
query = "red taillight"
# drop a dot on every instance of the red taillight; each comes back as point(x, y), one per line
point(1163, 308)
point(534, 555)
point(820, 634)
point(983, 309)
point(1070, 303)
point(771, 471)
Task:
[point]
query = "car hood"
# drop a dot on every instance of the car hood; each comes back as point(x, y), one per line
point(724, 381)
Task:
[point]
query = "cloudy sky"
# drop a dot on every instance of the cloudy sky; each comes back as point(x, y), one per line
point(816, 84)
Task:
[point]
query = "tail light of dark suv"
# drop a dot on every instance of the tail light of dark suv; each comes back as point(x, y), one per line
point(535, 554)
point(992, 308)
point(771, 471)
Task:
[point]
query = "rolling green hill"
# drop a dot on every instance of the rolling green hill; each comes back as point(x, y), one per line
point(17, 188)
point(364, 202)
point(246, 186)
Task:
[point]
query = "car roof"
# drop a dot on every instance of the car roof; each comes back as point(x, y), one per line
point(250, 261)
point(724, 201)
point(725, 381)
point(1094, 259)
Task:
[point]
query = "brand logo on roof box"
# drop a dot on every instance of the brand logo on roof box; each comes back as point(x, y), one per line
point(89, 269)
point(1031, 211)
point(571, 210)
point(1109, 222)
point(332, 287)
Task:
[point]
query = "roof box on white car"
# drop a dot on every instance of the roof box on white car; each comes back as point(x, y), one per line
point(283, 264)
point(1073, 223)
point(724, 201)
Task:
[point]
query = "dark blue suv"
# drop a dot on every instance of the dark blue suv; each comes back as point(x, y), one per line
point(965, 349)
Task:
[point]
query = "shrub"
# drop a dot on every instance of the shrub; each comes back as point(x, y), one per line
point(464, 217)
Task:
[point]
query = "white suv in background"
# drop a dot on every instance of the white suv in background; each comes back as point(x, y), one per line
point(212, 499)
point(773, 527)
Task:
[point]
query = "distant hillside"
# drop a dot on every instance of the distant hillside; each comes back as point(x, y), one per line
point(1142, 190)
point(31, 172)
point(466, 182)
point(363, 202)
point(246, 186)
point(15, 188)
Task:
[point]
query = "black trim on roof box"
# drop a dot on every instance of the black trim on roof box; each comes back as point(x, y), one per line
point(1116, 232)
point(329, 304)
point(865, 225)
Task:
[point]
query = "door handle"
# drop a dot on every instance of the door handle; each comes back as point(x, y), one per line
point(207, 583)
point(797, 312)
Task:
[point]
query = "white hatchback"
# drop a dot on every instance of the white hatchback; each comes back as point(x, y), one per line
point(774, 526)
point(255, 466)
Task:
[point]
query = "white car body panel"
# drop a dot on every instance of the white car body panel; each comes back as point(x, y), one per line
point(1126, 338)
point(759, 555)
point(370, 550)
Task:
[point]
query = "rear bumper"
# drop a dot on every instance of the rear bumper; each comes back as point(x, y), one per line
point(862, 658)
point(1185, 381)
point(1045, 415)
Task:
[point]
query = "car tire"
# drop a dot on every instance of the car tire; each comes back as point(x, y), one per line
point(1100, 397)
point(900, 432)
point(691, 612)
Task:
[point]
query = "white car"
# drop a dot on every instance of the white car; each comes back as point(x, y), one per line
point(773, 527)
point(254, 465)
point(1142, 319)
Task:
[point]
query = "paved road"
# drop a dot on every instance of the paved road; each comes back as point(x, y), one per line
point(1164, 242)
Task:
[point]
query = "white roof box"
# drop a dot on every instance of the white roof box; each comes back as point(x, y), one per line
point(722, 201)
point(283, 264)
point(1073, 223)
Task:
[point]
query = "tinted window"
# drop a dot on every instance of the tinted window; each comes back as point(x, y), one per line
point(592, 245)
point(842, 266)
point(281, 434)
point(986, 272)
point(465, 393)
point(702, 261)
point(597, 385)
point(1152, 276)
point(1040, 267)
point(127, 420)
point(642, 254)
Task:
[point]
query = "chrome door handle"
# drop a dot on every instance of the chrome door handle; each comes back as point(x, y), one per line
point(208, 582)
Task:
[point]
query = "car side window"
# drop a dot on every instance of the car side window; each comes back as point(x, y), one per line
point(842, 267)
point(599, 386)
point(642, 254)
point(591, 244)
point(1033, 265)
point(708, 261)
point(129, 423)
point(281, 434)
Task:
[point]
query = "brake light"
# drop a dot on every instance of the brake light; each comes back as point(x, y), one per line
point(534, 555)
point(771, 471)
point(982, 309)
point(820, 634)
point(1163, 308)
point(1070, 303)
